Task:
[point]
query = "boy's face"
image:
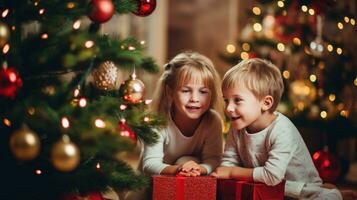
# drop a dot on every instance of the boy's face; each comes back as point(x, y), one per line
point(191, 100)
point(243, 108)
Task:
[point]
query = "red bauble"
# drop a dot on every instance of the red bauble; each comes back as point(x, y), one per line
point(327, 165)
point(101, 10)
point(125, 131)
point(10, 82)
point(145, 7)
point(88, 196)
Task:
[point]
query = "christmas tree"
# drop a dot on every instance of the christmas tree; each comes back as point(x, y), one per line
point(64, 114)
point(310, 41)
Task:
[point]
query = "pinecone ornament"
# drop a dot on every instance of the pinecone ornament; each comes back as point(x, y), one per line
point(105, 76)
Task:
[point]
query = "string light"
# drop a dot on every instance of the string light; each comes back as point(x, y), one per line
point(296, 41)
point(256, 10)
point(344, 113)
point(38, 172)
point(70, 5)
point(286, 74)
point(311, 11)
point(142, 42)
point(346, 19)
point(41, 11)
point(244, 55)
point(304, 8)
point(329, 48)
point(7, 122)
point(82, 102)
point(6, 48)
point(89, 44)
point(31, 111)
point(339, 51)
point(230, 48)
point(146, 119)
point(97, 166)
point(65, 122)
point(280, 46)
point(148, 101)
point(99, 123)
point(332, 97)
point(246, 46)
point(76, 92)
point(352, 21)
point(44, 36)
point(77, 24)
point(355, 82)
point(13, 28)
point(4, 13)
point(122, 107)
point(131, 48)
point(280, 4)
point(340, 25)
point(257, 27)
point(313, 77)
point(323, 114)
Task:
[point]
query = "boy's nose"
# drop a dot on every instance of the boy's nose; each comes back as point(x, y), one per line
point(230, 108)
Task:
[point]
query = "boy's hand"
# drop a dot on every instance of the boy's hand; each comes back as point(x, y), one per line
point(222, 173)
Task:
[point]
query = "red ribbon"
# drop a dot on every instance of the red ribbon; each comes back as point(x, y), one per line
point(180, 188)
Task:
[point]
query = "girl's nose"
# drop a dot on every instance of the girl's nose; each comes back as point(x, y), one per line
point(194, 97)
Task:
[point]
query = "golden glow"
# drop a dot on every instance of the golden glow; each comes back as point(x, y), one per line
point(77, 24)
point(280, 4)
point(246, 46)
point(280, 46)
point(82, 102)
point(313, 77)
point(65, 122)
point(6, 48)
point(41, 11)
point(344, 113)
point(353, 22)
point(44, 36)
point(311, 11)
point(4, 13)
point(230, 48)
point(304, 8)
point(332, 97)
point(256, 10)
point(244, 55)
point(31, 111)
point(70, 5)
point(286, 74)
point(89, 44)
point(300, 105)
point(122, 107)
point(257, 27)
point(340, 25)
point(99, 123)
point(297, 41)
point(131, 48)
point(7, 122)
point(323, 114)
point(142, 42)
point(146, 119)
point(347, 19)
point(329, 48)
point(339, 51)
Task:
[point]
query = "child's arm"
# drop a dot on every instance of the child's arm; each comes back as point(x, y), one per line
point(238, 173)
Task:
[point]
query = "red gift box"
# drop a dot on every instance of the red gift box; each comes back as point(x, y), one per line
point(229, 189)
point(184, 188)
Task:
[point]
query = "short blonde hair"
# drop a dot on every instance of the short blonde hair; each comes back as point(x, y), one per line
point(182, 68)
point(259, 76)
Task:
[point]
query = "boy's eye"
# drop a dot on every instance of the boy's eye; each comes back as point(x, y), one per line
point(237, 100)
point(226, 101)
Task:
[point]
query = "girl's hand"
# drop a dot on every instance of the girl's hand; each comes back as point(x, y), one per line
point(190, 173)
point(190, 166)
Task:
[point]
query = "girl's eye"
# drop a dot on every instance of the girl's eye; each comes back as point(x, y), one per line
point(185, 91)
point(204, 91)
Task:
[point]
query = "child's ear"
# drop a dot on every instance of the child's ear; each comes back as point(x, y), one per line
point(267, 102)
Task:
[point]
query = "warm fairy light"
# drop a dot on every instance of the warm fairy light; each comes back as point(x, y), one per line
point(300, 105)
point(70, 5)
point(12, 77)
point(142, 42)
point(244, 55)
point(280, 46)
point(355, 82)
point(296, 41)
point(304, 8)
point(13, 28)
point(77, 24)
point(41, 11)
point(320, 92)
point(122, 107)
point(284, 13)
point(31, 111)
point(89, 44)
point(286, 74)
point(347, 19)
point(122, 120)
point(352, 21)
point(256, 10)
point(38, 172)
point(246, 46)
point(340, 25)
point(323, 114)
point(122, 47)
point(65, 122)
point(76, 92)
point(36, 3)
point(311, 11)
point(4, 13)
point(339, 51)
point(146, 119)
point(6, 48)
point(257, 27)
point(340, 106)
point(7, 122)
point(82, 102)
point(99, 123)
point(313, 77)
point(97, 166)
point(332, 97)
point(329, 48)
point(280, 4)
point(148, 101)
point(230, 48)
point(131, 48)
point(44, 36)
point(344, 113)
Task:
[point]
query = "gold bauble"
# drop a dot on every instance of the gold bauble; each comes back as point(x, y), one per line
point(65, 155)
point(133, 90)
point(25, 144)
point(302, 93)
point(105, 76)
point(4, 34)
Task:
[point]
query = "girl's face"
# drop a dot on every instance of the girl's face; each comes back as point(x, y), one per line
point(191, 100)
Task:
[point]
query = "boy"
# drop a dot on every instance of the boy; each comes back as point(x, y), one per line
point(263, 145)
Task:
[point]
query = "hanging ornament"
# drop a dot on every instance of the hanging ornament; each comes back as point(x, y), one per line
point(327, 165)
point(4, 34)
point(302, 93)
point(101, 10)
point(145, 7)
point(24, 144)
point(317, 45)
point(105, 76)
point(126, 131)
point(10, 82)
point(65, 155)
point(87, 196)
point(132, 90)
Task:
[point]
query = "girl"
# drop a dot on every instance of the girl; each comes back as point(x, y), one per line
point(188, 94)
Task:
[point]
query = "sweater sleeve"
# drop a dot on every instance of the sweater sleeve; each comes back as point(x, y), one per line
point(230, 156)
point(153, 156)
point(281, 150)
point(212, 149)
